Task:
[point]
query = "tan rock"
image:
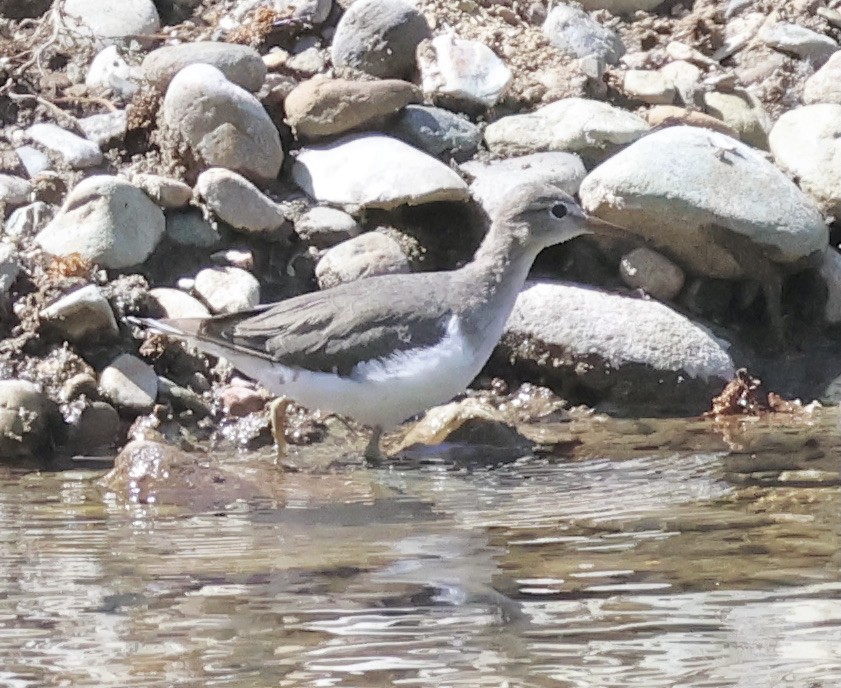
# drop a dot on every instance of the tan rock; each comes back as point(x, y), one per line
point(671, 115)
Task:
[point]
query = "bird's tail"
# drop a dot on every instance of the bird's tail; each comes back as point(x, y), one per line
point(184, 328)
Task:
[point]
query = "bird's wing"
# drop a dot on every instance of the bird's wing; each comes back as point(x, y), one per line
point(335, 329)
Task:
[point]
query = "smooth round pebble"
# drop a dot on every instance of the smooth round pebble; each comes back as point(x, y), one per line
point(369, 254)
point(166, 192)
point(227, 289)
point(174, 303)
point(437, 131)
point(190, 228)
point(130, 384)
point(83, 315)
point(325, 227)
point(235, 200)
point(241, 64)
point(108, 21)
point(652, 272)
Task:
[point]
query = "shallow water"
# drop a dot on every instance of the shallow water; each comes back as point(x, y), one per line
point(637, 553)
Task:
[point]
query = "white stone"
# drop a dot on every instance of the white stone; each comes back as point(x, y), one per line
point(82, 315)
point(576, 125)
point(324, 227)
point(28, 219)
point(686, 78)
point(227, 289)
point(77, 152)
point(111, 20)
point(33, 160)
point(824, 86)
point(107, 221)
point(105, 127)
point(241, 64)
point(367, 255)
point(803, 42)
point(225, 125)
point(577, 34)
point(461, 71)
point(493, 181)
point(9, 267)
point(805, 143)
point(166, 192)
point(652, 272)
point(235, 200)
point(374, 171)
point(109, 71)
point(649, 86)
point(175, 303)
point(129, 383)
point(14, 190)
point(672, 184)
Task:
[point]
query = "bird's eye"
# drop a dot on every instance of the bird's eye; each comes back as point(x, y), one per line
point(558, 210)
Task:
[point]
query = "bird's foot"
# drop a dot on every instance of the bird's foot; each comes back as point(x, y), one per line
point(277, 416)
point(374, 455)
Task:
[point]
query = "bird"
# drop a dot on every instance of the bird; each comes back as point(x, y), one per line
point(383, 349)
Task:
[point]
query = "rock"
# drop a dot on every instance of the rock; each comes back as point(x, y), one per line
point(110, 72)
point(81, 316)
point(235, 200)
point(174, 303)
point(27, 220)
point(674, 183)
point(105, 128)
point(493, 181)
point(96, 428)
point(436, 131)
point(577, 125)
point(241, 64)
point(577, 34)
point(824, 86)
point(23, 9)
point(183, 399)
point(671, 115)
point(190, 228)
point(379, 37)
point(77, 152)
point(108, 21)
point(9, 267)
point(628, 352)
point(13, 190)
point(461, 73)
point(323, 107)
point(325, 227)
point(649, 86)
point(28, 420)
point(240, 401)
point(81, 384)
point(224, 125)
point(107, 221)
point(166, 192)
point(652, 272)
point(686, 79)
point(34, 161)
point(130, 384)
point(227, 289)
point(374, 171)
point(830, 271)
point(800, 41)
point(805, 143)
point(743, 113)
point(310, 11)
point(621, 6)
point(308, 62)
point(367, 255)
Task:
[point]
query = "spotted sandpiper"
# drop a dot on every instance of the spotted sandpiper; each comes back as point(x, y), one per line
point(385, 348)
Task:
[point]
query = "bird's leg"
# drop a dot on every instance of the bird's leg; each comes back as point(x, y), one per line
point(277, 415)
point(373, 454)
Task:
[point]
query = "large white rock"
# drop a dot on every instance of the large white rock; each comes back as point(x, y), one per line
point(374, 171)
point(238, 202)
point(674, 183)
point(796, 39)
point(224, 125)
point(108, 21)
point(824, 86)
point(107, 221)
point(14, 190)
point(805, 143)
point(577, 125)
point(77, 152)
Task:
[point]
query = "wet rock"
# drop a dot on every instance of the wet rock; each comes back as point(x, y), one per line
point(671, 115)
point(577, 34)
point(83, 315)
point(577, 125)
point(13, 190)
point(241, 64)
point(830, 271)
point(107, 221)
point(130, 384)
point(379, 37)
point(166, 192)
point(190, 228)
point(28, 420)
point(108, 21)
point(234, 199)
point(240, 401)
point(803, 42)
point(649, 86)
point(81, 384)
point(227, 289)
point(174, 303)
point(110, 72)
point(574, 335)
point(824, 86)
point(805, 143)
point(462, 73)
point(33, 160)
point(23, 9)
point(28, 219)
point(105, 128)
point(9, 267)
point(743, 113)
point(77, 152)
point(493, 181)
point(374, 171)
point(621, 6)
point(223, 124)
point(674, 183)
point(323, 107)
point(96, 429)
point(652, 272)
point(182, 399)
point(369, 254)
point(325, 227)
point(436, 131)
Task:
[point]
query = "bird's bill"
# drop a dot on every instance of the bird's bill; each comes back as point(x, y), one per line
point(608, 229)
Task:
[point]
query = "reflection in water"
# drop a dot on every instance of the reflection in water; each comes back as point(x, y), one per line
point(703, 564)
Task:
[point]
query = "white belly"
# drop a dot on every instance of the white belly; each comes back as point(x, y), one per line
point(379, 392)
